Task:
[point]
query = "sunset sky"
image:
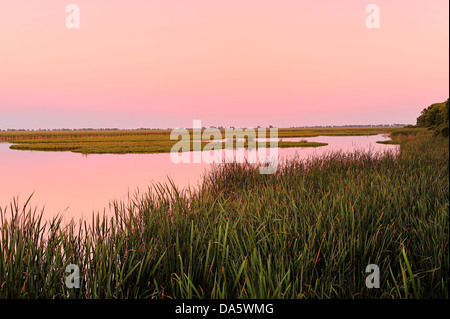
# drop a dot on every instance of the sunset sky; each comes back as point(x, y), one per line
point(164, 63)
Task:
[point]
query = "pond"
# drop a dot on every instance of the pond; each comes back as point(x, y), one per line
point(76, 185)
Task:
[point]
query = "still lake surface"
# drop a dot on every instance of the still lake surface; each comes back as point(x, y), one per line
point(76, 185)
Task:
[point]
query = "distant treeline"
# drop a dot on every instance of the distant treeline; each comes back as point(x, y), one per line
point(169, 128)
point(435, 117)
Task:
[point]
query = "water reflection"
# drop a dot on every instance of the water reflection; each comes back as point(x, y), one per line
point(77, 185)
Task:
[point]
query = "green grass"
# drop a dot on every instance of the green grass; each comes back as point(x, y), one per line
point(389, 142)
point(149, 141)
point(398, 133)
point(129, 146)
point(307, 231)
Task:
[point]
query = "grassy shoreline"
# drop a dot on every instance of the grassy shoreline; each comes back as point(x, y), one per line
point(152, 141)
point(307, 231)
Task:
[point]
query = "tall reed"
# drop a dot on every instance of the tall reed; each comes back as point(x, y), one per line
point(307, 231)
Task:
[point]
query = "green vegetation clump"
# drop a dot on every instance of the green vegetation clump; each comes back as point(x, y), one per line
point(435, 117)
point(307, 231)
point(389, 142)
point(154, 141)
point(126, 145)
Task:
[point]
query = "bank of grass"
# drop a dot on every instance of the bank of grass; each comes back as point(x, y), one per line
point(307, 231)
point(164, 134)
point(389, 142)
point(151, 141)
point(126, 146)
point(397, 134)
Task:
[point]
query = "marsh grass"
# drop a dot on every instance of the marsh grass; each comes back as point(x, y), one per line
point(307, 231)
point(151, 141)
point(389, 142)
point(141, 144)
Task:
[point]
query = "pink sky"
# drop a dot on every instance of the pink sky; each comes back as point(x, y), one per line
point(226, 62)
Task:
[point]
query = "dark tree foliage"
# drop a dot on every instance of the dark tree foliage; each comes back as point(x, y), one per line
point(436, 117)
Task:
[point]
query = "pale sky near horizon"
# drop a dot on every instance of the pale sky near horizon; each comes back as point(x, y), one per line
point(165, 63)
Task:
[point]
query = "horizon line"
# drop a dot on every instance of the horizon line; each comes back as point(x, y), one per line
point(203, 127)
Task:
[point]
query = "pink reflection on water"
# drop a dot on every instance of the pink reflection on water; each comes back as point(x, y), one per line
point(77, 185)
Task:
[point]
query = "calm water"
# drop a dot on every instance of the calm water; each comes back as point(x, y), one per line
point(76, 185)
